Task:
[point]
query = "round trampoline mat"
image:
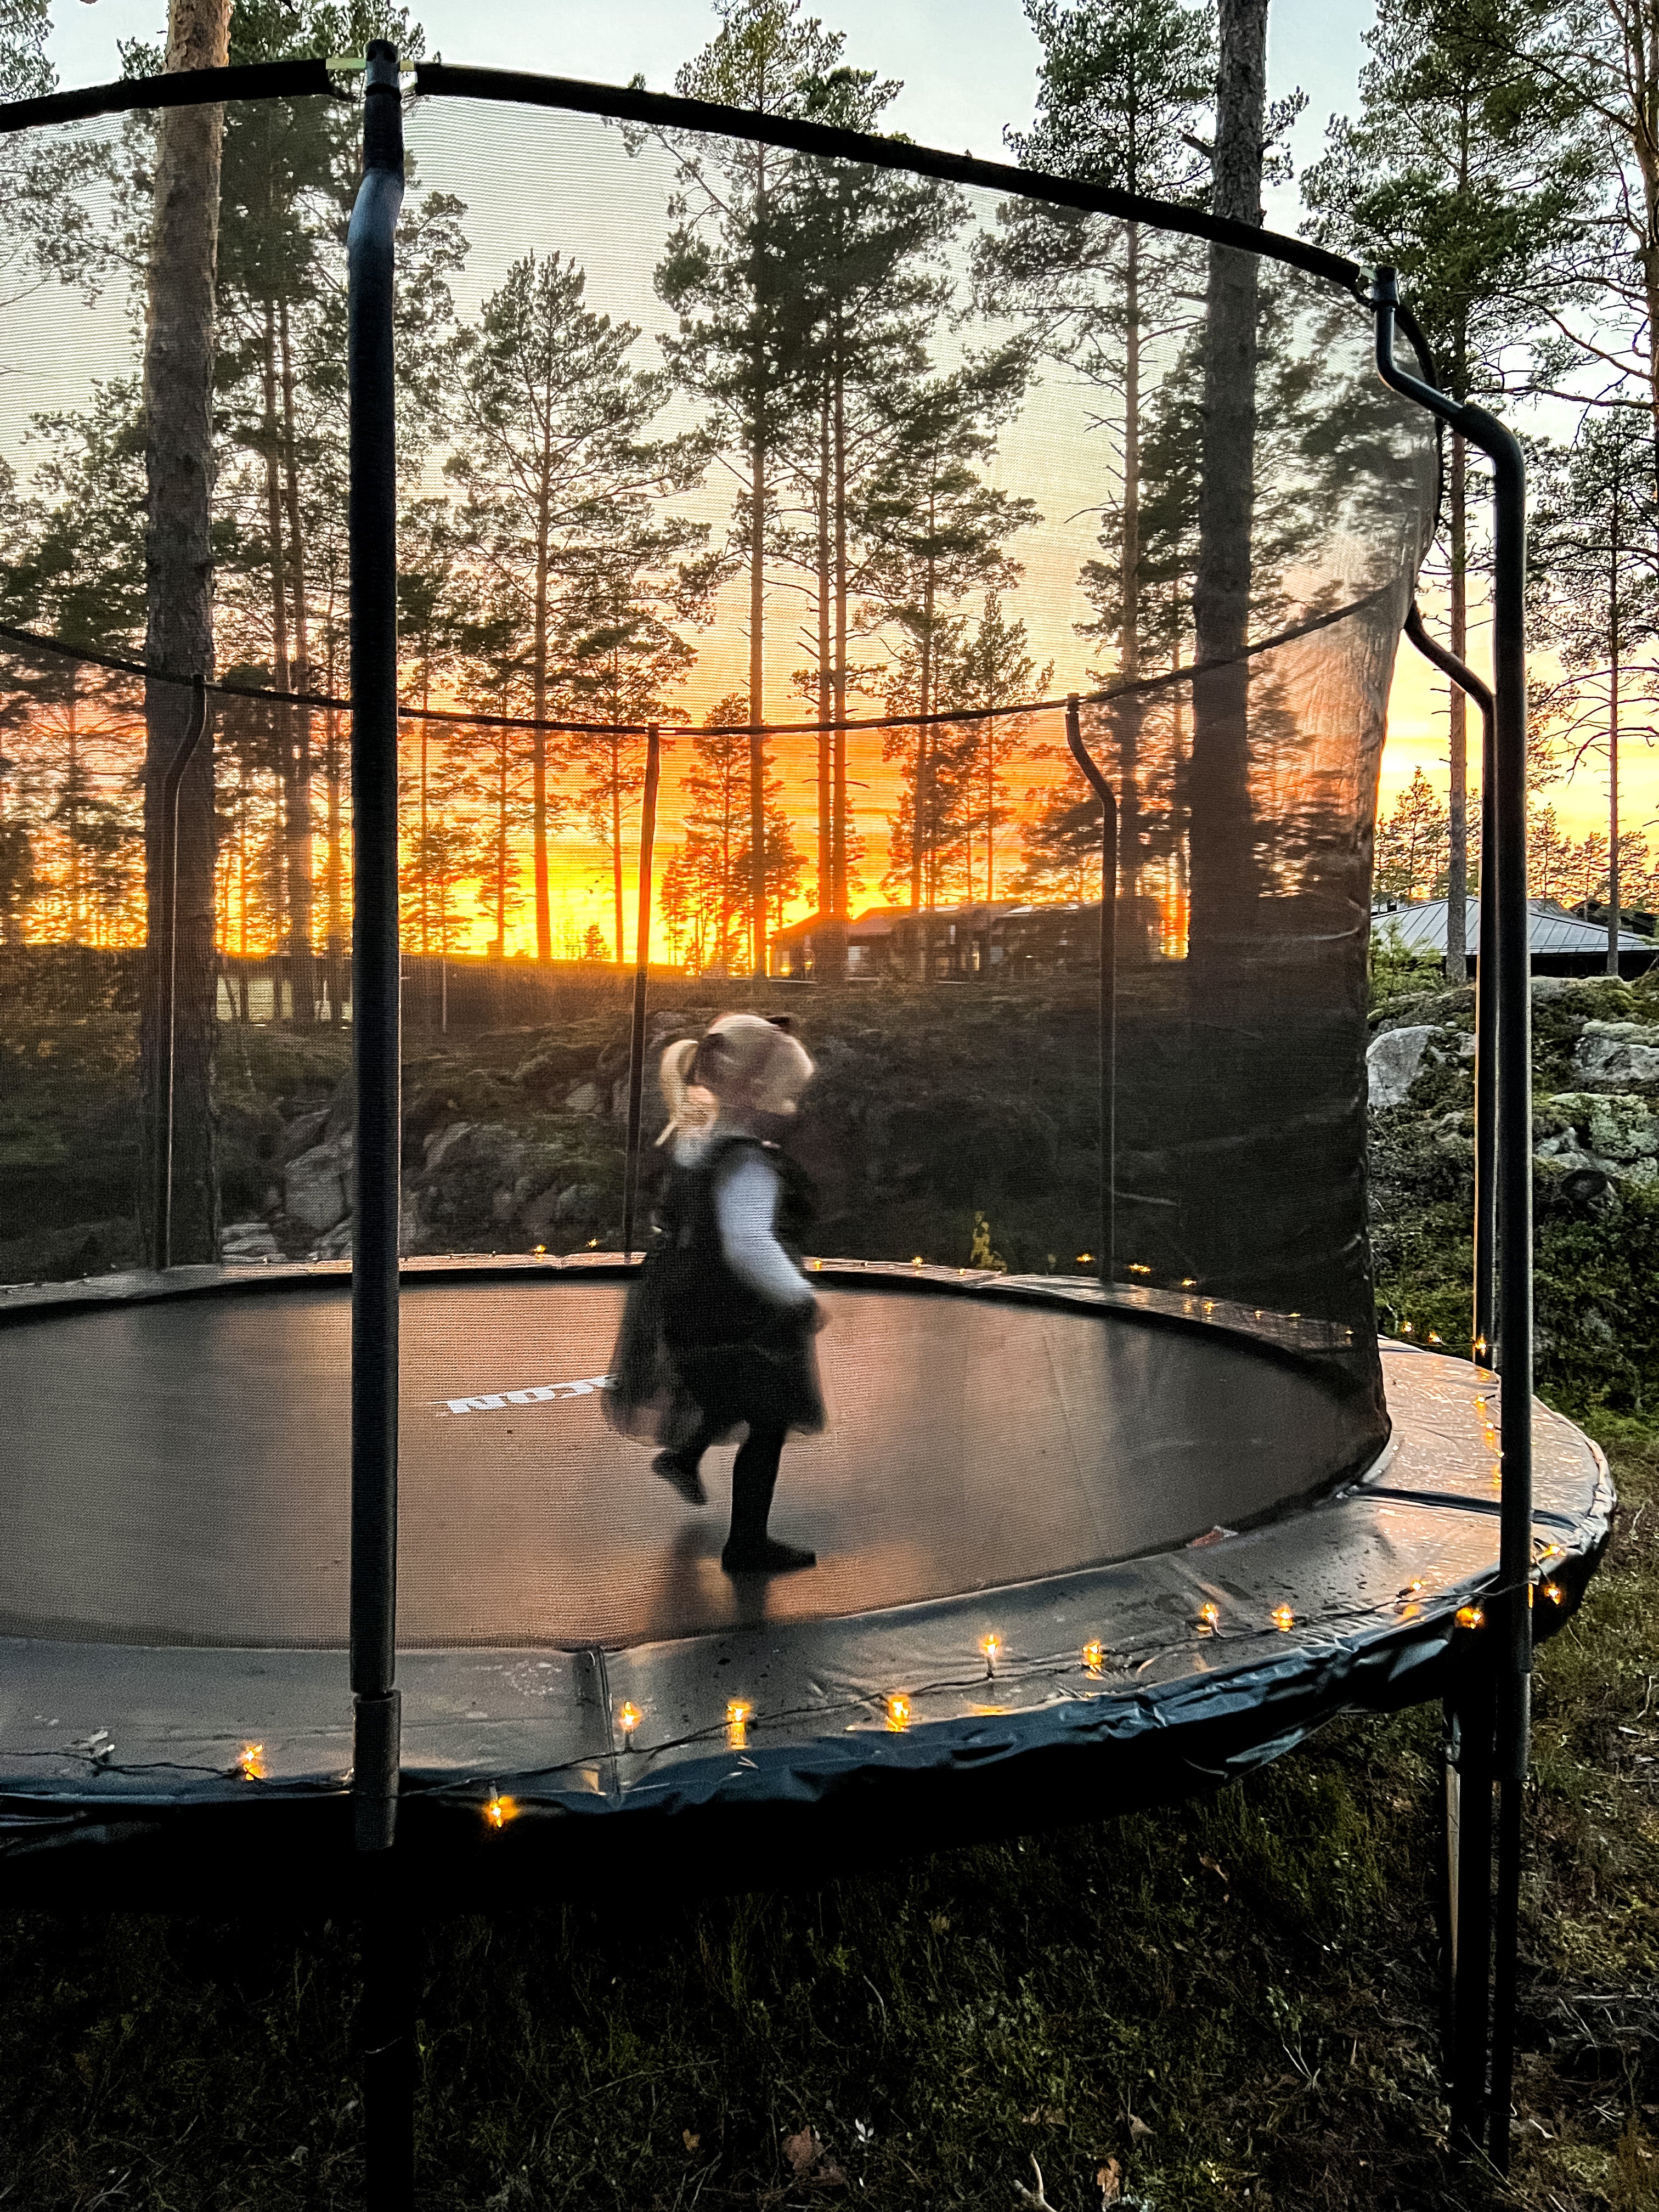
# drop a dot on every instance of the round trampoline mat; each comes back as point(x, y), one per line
point(180, 1469)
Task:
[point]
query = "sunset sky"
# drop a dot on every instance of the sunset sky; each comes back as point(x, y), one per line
point(969, 69)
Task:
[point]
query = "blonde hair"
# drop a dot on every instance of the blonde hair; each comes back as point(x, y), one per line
point(739, 1052)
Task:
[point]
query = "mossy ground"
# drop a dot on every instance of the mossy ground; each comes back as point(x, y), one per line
point(1234, 2001)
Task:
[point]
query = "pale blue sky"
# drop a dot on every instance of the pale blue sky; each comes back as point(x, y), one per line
point(969, 66)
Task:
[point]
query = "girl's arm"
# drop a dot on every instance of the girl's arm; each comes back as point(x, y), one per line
point(745, 1207)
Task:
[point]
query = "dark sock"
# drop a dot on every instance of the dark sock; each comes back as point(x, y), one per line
point(749, 1548)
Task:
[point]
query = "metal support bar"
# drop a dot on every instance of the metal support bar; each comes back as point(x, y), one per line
point(1507, 957)
point(641, 968)
point(1108, 832)
point(388, 2059)
point(1486, 1000)
point(167, 963)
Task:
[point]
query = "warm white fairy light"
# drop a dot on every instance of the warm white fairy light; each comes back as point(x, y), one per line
point(1094, 1656)
point(738, 1714)
point(1209, 1619)
point(991, 1647)
point(251, 1762)
point(1283, 1617)
point(898, 1712)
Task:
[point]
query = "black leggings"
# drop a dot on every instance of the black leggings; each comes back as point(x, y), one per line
point(754, 1474)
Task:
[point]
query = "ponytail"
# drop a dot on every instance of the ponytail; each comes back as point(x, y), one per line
point(691, 1108)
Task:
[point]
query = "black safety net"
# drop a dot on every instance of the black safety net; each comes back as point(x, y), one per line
point(824, 486)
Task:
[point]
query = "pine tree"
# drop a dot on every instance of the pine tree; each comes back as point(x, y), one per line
point(1121, 93)
point(621, 657)
point(725, 274)
point(555, 459)
point(937, 533)
point(869, 285)
point(1594, 549)
point(1463, 169)
point(1414, 844)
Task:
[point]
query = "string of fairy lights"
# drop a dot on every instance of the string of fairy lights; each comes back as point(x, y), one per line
point(1092, 1665)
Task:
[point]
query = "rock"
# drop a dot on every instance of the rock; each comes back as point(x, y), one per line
point(442, 1142)
point(1393, 1062)
point(316, 1187)
point(247, 1240)
point(1614, 1133)
point(336, 1245)
point(580, 1201)
point(305, 1131)
point(545, 1074)
point(1617, 1053)
point(585, 1098)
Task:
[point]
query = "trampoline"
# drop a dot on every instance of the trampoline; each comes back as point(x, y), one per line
point(330, 1564)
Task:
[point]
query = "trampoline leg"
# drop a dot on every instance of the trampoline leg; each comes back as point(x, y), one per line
point(1471, 1878)
point(388, 2046)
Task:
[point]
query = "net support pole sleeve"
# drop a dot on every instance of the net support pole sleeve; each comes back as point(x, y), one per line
point(1109, 877)
point(1485, 999)
point(375, 984)
point(642, 972)
point(1508, 957)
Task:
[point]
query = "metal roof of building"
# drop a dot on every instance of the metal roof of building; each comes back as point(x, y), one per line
point(1421, 924)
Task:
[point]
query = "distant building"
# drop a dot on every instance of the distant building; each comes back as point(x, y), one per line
point(949, 943)
point(1562, 943)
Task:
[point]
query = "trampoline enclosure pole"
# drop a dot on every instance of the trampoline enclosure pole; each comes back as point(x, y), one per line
point(1486, 1000)
point(387, 2043)
point(1109, 836)
point(641, 968)
point(1504, 959)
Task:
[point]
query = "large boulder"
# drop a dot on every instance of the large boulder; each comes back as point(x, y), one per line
point(1617, 1054)
point(317, 1187)
point(1614, 1135)
point(1394, 1061)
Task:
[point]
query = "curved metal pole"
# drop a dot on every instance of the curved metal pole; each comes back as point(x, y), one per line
point(1486, 999)
point(1107, 798)
point(1510, 1607)
point(388, 2054)
point(641, 969)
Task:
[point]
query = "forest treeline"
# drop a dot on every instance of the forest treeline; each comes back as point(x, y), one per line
point(809, 477)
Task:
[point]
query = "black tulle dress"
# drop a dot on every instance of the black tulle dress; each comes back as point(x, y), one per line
point(701, 1353)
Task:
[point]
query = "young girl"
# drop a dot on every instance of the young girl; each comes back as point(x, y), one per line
point(718, 1334)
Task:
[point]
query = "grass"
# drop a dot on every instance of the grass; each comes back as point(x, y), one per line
point(1231, 2002)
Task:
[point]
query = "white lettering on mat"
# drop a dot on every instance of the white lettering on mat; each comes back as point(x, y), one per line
point(538, 1394)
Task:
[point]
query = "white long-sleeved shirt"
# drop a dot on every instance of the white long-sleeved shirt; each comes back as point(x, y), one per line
point(746, 1210)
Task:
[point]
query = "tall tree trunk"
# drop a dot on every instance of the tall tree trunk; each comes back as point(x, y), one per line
point(1128, 714)
point(757, 601)
point(1615, 616)
point(544, 908)
point(615, 840)
point(177, 400)
point(826, 742)
point(332, 870)
point(1224, 876)
point(302, 860)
